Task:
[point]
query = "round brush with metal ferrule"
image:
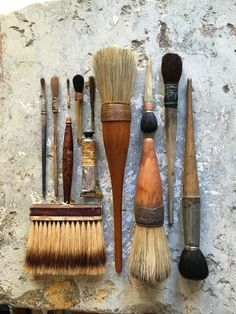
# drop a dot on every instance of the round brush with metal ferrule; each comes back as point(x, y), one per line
point(192, 263)
point(149, 121)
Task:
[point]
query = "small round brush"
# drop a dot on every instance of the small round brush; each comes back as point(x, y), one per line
point(149, 121)
point(192, 263)
point(171, 69)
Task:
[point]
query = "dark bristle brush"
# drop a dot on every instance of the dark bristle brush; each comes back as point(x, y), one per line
point(192, 264)
point(149, 121)
point(44, 135)
point(171, 69)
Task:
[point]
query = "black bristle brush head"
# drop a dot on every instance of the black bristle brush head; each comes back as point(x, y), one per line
point(78, 82)
point(149, 122)
point(193, 265)
point(171, 68)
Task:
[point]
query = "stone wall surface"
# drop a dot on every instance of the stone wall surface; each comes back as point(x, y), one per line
point(58, 38)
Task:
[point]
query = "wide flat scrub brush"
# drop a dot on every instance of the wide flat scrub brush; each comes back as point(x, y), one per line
point(150, 259)
point(192, 264)
point(115, 70)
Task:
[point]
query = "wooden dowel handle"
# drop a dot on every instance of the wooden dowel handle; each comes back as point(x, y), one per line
point(55, 152)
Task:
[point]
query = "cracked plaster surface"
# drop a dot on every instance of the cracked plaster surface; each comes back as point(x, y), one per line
point(58, 38)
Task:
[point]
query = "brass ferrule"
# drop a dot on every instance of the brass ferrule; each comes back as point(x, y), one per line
point(171, 95)
point(149, 217)
point(54, 105)
point(115, 112)
point(191, 222)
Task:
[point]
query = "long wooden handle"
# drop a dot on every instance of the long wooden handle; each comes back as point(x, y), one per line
point(171, 129)
point(79, 119)
point(116, 140)
point(190, 182)
point(67, 160)
point(55, 154)
point(44, 151)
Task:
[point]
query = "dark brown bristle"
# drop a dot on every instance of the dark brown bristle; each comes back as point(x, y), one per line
point(193, 265)
point(171, 68)
point(42, 82)
point(148, 122)
point(78, 82)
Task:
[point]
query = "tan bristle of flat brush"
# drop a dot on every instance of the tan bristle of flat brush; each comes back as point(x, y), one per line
point(150, 259)
point(65, 247)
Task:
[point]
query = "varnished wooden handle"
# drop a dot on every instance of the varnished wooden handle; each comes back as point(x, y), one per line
point(190, 182)
point(55, 152)
point(79, 119)
point(67, 160)
point(55, 86)
point(116, 140)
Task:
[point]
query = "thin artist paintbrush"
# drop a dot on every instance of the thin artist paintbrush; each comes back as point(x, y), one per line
point(44, 135)
point(171, 69)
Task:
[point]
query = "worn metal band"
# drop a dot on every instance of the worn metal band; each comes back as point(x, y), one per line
point(148, 106)
point(65, 218)
point(149, 217)
point(78, 96)
point(191, 221)
point(54, 105)
point(171, 95)
point(115, 112)
point(88, 153)
point(191, 248)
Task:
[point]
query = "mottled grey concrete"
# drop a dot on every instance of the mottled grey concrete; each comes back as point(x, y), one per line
point(58, 39)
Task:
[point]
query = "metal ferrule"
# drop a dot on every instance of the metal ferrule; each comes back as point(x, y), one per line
point(43, 104)
point(149, 217)
point(191, 222)
point(171, 95)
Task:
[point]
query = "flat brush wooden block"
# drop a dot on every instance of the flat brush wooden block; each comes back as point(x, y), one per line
point(65, 212)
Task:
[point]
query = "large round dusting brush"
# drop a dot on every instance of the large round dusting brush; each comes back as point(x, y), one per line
point(192, 263)
point(171, 69)
point(150, 259)
point(115, 70)
point(149, 121)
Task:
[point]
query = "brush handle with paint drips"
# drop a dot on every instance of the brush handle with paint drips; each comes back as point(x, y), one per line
point(116, 119)
point(67, 160)
point(191, 197)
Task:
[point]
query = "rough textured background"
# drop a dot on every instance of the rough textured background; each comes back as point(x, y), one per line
point(58, 39)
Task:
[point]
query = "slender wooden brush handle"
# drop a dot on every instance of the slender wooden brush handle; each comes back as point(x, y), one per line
point(191, 197)
point(171, 129)
point(44, 135)
point(79, 116)
point(55, 88)
point(67, 160)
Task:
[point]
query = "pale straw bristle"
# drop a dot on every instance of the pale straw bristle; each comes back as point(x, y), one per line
point(115, 70)
point(65, 248)
point(150, 259)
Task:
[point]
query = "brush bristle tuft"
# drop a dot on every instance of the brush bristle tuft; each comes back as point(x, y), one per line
point(148, 122)
point(78, 82)
point(171, 68)
point(193, 265)
point(115, 70)
point(65, 248)
point(150, 259)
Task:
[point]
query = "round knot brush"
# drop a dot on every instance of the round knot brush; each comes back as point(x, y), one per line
point(150, 259)
point(171, 69)
point(149, 121)
point(192, 263)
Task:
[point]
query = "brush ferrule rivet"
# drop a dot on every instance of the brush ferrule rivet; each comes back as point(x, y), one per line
point(171, 95)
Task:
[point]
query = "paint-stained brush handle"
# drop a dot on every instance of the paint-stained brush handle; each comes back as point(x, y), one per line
point(55, 89)
point(44, 135)
point(67, 160)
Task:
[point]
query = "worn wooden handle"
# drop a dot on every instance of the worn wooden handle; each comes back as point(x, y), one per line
point(190, 182)
point(67, 160)
point(55, 159)
point(116, 140)
point(79, 119)
point(55, 86)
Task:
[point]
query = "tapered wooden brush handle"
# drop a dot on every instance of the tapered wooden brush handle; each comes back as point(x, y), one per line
point(116, 133)
point(191, 197)
point(79, 116)
point(190, 184)
point(67, 160)
point(171, 129)
point(149, 210)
